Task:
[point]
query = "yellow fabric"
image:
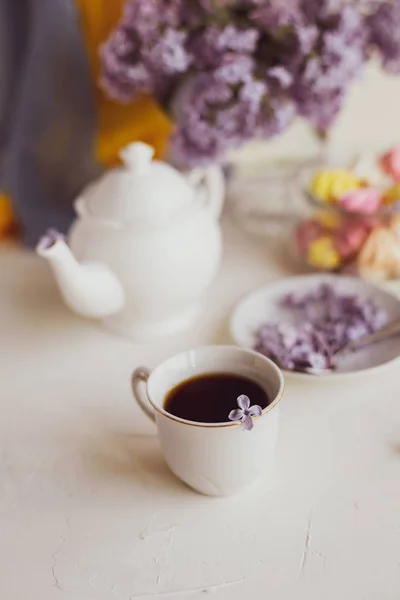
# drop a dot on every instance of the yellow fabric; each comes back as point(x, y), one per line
point(7, 219)
point(117, 124)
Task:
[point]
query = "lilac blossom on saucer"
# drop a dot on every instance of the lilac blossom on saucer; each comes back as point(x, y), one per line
point(318, 324)
point(245, 412)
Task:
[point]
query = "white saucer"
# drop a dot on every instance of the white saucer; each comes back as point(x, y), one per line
point(262, 306)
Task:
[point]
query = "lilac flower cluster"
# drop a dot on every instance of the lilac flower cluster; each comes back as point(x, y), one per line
point(231, 70)
point(384, 31)
point(319, 324)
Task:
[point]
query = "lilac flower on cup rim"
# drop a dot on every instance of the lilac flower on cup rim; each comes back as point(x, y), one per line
point(245, 412)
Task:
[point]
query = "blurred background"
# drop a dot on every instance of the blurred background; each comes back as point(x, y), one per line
point(62, 122)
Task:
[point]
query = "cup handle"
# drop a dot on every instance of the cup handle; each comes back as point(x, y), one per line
point(138, 381)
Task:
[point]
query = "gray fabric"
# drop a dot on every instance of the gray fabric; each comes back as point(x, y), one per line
point(13, 26)
point(47, 117)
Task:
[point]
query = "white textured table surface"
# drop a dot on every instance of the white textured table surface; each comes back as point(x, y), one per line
point(88, 510)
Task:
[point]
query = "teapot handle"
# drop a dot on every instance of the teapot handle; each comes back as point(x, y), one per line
point(212, 178)
point(79, 206)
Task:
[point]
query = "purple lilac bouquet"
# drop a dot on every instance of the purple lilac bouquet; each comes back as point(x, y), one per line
point(231, 70)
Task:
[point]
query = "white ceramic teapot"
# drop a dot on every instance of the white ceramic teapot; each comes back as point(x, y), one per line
point(145, 246)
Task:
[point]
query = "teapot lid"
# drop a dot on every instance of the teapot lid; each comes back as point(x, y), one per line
point(141, 191)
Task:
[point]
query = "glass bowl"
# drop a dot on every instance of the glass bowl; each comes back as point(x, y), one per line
point(330, 238)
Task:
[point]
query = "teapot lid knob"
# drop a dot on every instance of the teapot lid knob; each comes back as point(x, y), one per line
point(137, 157)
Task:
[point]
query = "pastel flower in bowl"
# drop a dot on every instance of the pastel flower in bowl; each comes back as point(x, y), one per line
point(245, 412)
point(390, 163)
point(323, 254)
point(307, 232)
point(365, 200)
point(351, 238)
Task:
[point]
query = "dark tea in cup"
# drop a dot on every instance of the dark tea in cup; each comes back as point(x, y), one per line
point(210, 397)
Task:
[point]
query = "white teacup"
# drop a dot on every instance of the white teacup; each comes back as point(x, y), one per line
point(216, 459)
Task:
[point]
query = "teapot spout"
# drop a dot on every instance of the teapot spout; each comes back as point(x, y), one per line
point(89, 289)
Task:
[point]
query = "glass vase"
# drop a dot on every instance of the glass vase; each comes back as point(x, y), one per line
point(265, 185)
